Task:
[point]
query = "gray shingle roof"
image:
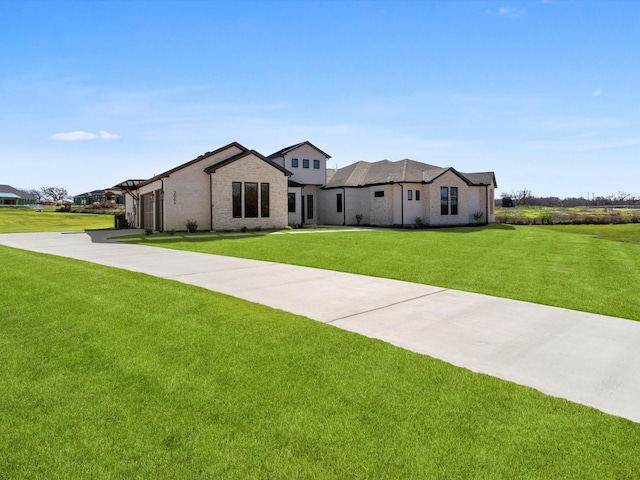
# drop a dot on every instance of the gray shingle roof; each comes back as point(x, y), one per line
point(286, 150)
point(8, 189)
point(376, 173)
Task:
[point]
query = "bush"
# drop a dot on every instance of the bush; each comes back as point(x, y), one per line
point(191, 225)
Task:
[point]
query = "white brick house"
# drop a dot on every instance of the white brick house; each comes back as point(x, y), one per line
point(234, 187)
point(227, 189)
point(308, 167)
point(407, 192)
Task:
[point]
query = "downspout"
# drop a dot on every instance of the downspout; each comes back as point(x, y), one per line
point(344, 207)
point(486, 194)
point(210, 203)
point(163, 205)
point(401, 204)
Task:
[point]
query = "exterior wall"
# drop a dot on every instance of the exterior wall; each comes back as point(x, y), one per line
point(148, 189)
point(466, 206)
point(303, 175)
point(248, 169)
point(295, 218)
point(381, 209)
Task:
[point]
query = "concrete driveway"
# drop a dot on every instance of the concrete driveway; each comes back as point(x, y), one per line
point(589, 359)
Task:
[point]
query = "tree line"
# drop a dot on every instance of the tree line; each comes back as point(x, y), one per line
point(525, 197)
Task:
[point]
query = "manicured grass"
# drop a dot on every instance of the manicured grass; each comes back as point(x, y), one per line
point(111, 374)
point(551, 266)
point(617, 233)
point(14, 220)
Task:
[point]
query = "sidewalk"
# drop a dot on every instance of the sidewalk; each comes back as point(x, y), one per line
point(586, 358)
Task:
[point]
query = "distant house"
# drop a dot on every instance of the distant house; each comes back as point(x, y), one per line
point(13, 196)
point(407, 192)
point(308, 167)
point(112, 195)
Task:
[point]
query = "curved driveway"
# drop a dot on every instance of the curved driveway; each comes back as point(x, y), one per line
point(586, 358)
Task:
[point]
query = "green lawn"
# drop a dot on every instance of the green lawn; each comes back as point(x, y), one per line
point(112, 374)
point(565, 266)
point(14, 220)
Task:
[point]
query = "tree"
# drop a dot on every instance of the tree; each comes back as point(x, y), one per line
point(54, 194)
point(38, 194)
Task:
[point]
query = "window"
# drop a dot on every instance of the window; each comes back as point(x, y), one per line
point(250, 199)
point(339, 203)
point(444, 200)
point(292, 202)
point(294, 163)
point(417, 194)
point(454, 200)
point(316, 164)
point(409, 194)
point(305, 163)
point(378, 193)
point(309, 206)
point(236, 193)
point(264, 200)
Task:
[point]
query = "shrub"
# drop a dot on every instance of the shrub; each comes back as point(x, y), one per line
point(418, 222)
point(359, 218)
point(477, 216)
point(191, 225)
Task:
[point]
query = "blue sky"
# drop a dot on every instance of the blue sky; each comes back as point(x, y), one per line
point(544, 93)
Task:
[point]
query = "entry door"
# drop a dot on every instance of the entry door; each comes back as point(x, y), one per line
point(147, 211)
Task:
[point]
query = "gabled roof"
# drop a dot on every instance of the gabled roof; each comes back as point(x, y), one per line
point(191, 162)
point(363, 173)
point(7, 191)
point(222, 163)
point(284, 151)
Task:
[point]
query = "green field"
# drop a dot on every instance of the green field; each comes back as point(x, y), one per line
point(538, 215)
point(13, 220)
point(106, 373)
point(573, 266)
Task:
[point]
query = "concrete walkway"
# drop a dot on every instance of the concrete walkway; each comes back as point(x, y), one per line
point(589, 359)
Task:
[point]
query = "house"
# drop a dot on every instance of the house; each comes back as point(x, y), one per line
point(13, 196)
point(407, 192)
point(308, 167)
point(228, 189)
point(112, 195)
point(233, 188)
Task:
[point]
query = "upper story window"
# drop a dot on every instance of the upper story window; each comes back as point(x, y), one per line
point(417, 194)
point(294, 163)
point(409, 194)
point(378, 193)
point(305, 163)
point(316, 164)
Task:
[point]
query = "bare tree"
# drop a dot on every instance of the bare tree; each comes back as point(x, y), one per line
point(55, 194)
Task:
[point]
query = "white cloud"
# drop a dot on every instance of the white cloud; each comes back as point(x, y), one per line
point(597, 93)
point(81, 135)
point(511, 12)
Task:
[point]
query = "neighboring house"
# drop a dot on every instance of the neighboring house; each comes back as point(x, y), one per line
point(227, 189)
point(112, 195)
point(407, 192)
point(13, 196)
point(308, 167)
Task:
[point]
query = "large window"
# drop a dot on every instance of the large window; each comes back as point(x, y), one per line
point(454, 200)
point(339, 203)
point(292, 202)
point(250, 200)
point(316, 164)
point(444, 200)
point(294, 163)
point(236, 192)
point(264, 200)
point(448, 200)
point(309, 206)
point(305, 163)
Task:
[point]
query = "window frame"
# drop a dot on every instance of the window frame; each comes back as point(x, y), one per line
point(291, 202)
point(378, 193)
point(444, 200)
point(264, 200)
point(417, 195)
point(294, 163)
point(251, 200)
point(236, 199)
point(410, 194)
point(453, 200)
point(305, 163)
point(338, 203)
point(316, 164)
